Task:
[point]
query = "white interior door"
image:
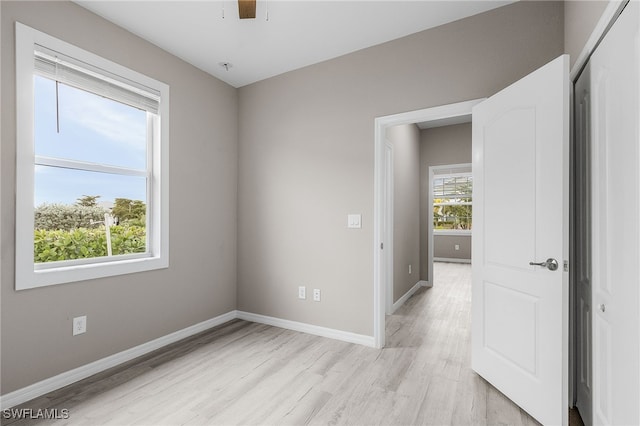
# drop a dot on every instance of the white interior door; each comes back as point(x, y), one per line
point(615, 93)
point(521, 204)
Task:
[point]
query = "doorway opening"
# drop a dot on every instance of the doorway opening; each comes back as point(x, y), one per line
point(383, 234)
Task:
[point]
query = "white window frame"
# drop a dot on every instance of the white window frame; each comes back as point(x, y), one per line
point(452, 170)
point(28, 275)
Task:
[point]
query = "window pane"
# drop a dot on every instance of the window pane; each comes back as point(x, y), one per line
point(92, 128)
point(451, 217)
point(438, 189)
point(449, 186)
point(70, 214)
point(452, 202)
point(463, 185)
point(65, 186)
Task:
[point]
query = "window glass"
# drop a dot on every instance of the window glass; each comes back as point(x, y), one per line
point(80, 213)
point(78, 125)
point(55, 185)
point(452, 203)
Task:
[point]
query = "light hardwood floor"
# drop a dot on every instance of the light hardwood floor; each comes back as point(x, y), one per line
point(245, 373)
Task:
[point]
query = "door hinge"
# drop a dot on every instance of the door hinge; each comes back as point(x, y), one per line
point(565, 266)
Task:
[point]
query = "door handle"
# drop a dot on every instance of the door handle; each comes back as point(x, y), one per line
point(551, 264)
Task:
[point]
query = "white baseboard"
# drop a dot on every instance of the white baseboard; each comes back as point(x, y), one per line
point(424, 283)
point(317, 330)
point(61, 380)
point(56, 382)
point(406, 296)
point(451, 260)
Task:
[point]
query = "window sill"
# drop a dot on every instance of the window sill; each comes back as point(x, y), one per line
point(452, 233)
point(29, 278)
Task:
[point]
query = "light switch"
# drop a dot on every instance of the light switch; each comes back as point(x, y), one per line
point(354, 221)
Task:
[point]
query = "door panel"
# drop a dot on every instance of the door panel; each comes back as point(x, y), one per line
point(602, 393)
point(508, 156)
point(520, 312)
point(615, 93)
point(513, 340)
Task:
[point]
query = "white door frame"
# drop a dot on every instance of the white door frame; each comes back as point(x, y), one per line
point(380, 260)
point(611, 12)
point(388, 225)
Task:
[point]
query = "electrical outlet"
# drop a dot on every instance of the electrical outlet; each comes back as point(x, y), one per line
point(316, 294)
point(302, 292)
point(456, 247)
point(409, 269)
point(79, 325)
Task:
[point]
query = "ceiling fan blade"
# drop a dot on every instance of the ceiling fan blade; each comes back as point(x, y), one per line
point(247, 9)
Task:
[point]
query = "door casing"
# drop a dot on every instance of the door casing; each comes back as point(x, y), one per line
point(380, 256)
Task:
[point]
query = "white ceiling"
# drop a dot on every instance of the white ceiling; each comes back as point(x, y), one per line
point(298, 32)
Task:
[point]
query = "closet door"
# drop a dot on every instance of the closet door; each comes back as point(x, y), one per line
point(582, 252)
point(615, 91)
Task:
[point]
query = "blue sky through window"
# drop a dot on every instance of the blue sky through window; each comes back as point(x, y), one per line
point(92, 129)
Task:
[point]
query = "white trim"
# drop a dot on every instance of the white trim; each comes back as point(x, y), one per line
point(406, 296)
point(68, 377)
point(389, 221)
point(453, 169)
point(430, 244)
point(453, 203)
point(63, 163)
point(424, 283)
point(69, 265)
point(610, 14)
point(345, 336)
point(380, 125)
point(451, 260)
point(452, 232)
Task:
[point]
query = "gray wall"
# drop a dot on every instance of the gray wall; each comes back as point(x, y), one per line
point(580, 18)
point(405, 140)
point(126, 311)
point(306, 161)
point(441, 146)
point(444, 246)
point(307, 153)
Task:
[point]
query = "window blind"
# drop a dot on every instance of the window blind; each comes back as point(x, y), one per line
point(72, 72)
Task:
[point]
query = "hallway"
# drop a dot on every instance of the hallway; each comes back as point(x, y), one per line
point(433, 330)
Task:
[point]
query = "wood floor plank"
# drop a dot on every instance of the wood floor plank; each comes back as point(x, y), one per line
point(250, 374)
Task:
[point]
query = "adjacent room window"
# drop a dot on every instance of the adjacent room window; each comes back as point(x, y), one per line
point(452, 202)
point(92, 165)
